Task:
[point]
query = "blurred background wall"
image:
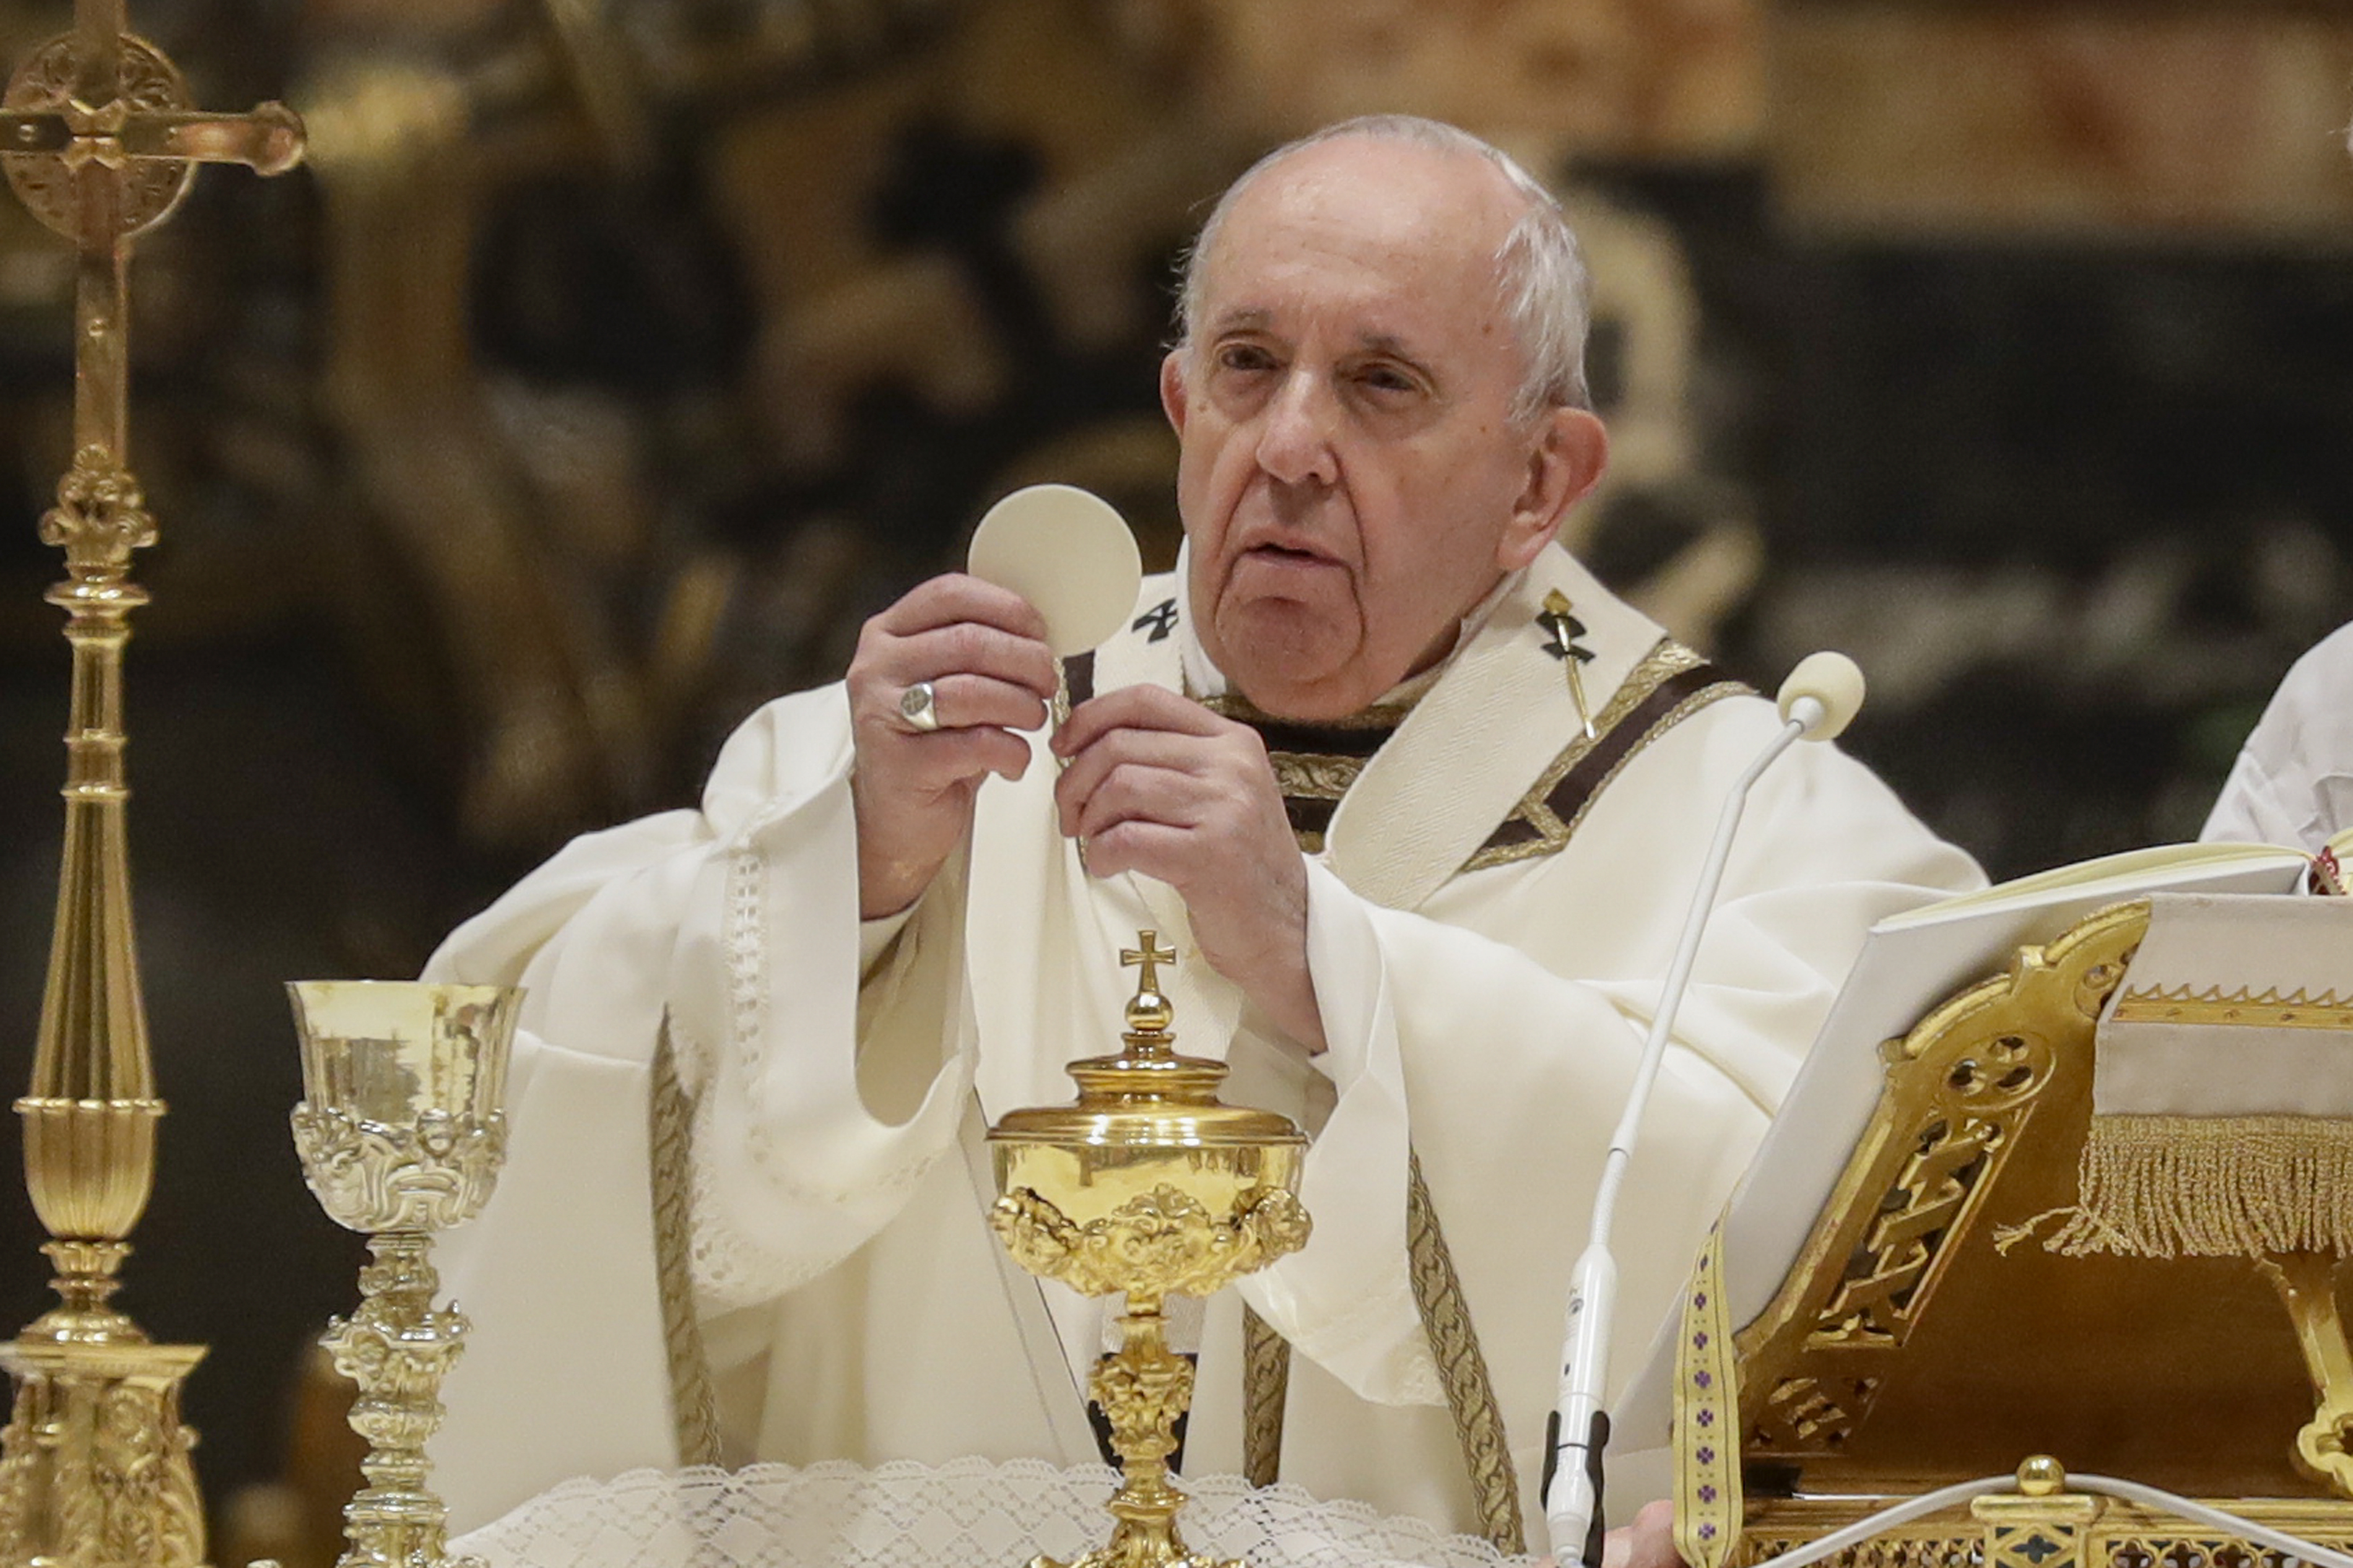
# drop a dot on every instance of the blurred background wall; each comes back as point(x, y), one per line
point(613, 358)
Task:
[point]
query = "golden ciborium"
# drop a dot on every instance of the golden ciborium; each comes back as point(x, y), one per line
point(1148, 1186)
point(401, 1132)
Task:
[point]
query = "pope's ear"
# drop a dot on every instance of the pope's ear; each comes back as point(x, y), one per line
point(1568, 450)
point(1172, 387)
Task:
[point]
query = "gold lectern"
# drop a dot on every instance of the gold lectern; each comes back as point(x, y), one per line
point(1914, 1344)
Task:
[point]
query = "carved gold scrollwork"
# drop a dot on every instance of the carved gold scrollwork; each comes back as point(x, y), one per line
point(2307, 1283)
point(110, 1454)
point(371, 1177)
point(20, 1461)
point(1814, 1413)
point(45, 182)
point(1141, 1394)
point(100, 517)
point(1960, 1088)
point(397, 1348)
point(1162, 1242)
point(1873, 1302)
point(1981, 1085)
point(144, 1481)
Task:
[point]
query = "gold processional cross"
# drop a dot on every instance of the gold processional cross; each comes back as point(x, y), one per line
point(97, 137)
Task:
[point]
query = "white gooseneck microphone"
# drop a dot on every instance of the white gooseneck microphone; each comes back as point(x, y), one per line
point(1817, 702)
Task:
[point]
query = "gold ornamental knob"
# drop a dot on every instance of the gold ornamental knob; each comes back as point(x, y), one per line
point(2042, 1476)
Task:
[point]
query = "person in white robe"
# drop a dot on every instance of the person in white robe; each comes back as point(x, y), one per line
point(2293, 781)
point(1342, 762)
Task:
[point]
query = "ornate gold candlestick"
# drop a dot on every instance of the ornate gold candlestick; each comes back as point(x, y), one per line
point(401, 1133)
point(98, 139)
point(1149, 1185)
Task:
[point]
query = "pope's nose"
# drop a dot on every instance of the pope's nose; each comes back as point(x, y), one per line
point(1295, 442)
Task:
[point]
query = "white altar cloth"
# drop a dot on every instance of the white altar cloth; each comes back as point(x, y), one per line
point(969, 1512)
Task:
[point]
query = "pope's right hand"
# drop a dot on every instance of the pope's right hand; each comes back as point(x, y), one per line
point(983, 650)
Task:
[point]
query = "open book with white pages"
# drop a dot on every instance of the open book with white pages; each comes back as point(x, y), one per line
point(1909, 965)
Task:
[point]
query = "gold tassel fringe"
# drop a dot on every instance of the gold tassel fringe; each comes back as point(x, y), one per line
point(2212, 1186)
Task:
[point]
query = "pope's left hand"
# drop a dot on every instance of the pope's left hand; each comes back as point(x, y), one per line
point(1158, 784)
point(1648, 1542)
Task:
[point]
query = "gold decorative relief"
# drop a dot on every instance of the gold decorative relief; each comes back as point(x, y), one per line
point(1873, 1300)
point(1814, 1413)
point(1163, 1242)
point(428, 1176)
point(1960, 1088)
point(401, 1131)
point(1209, 1195)
point(48, 182)
point(101, 516)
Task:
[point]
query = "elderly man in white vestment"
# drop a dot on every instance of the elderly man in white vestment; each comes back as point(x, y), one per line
point(1339, 759)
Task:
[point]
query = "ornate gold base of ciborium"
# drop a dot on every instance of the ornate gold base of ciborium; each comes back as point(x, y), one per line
point(1148, 1187)
point(401, 1133)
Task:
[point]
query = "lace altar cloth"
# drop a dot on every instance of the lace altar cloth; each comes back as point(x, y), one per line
point(968, 1512)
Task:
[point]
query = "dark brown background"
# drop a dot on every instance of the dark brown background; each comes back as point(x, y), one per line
point(592, 385)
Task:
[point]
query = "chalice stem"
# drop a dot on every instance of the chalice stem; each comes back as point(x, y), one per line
point(398, 1349)
point(1144, 1390)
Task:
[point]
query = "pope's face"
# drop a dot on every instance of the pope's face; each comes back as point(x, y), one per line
point(1351, 479)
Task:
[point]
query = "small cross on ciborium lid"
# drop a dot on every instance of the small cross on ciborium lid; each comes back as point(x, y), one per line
point(1148, 1186)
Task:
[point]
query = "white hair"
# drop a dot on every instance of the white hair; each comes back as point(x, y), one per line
point(1539, 269)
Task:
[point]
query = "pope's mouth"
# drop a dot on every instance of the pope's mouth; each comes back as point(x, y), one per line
point(1273, 572)
point(1284, 556)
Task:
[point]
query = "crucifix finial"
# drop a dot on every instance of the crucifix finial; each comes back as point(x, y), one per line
point(1147, 955)
point(1149, 1012)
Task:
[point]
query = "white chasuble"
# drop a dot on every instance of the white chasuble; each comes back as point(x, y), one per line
point(1490, 912)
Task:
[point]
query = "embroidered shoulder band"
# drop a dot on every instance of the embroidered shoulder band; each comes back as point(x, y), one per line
point(1670, 685)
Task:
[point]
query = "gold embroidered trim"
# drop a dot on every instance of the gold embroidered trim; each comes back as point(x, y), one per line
point(1462, 1369)
point(2242, 1007)
point(1708, 1482)
point(1661, 665)
point(694, 1409)
point(1312, 781)
point(1302, 776)
point(1266, 1386)
point(2212, 1186)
